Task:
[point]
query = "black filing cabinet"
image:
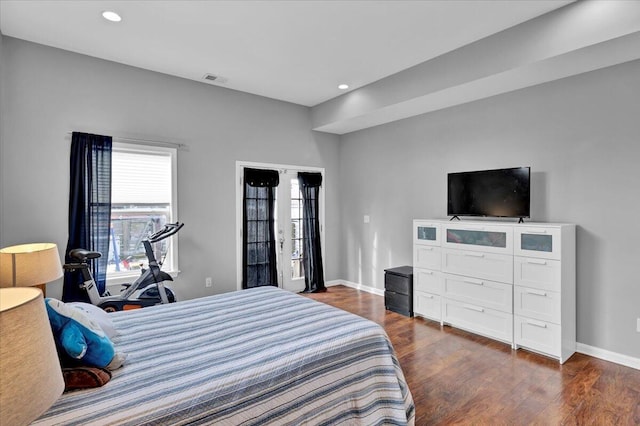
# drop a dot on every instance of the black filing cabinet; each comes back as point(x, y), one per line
point(398, 290)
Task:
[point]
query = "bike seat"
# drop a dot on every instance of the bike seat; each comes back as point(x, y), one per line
point(82, 254)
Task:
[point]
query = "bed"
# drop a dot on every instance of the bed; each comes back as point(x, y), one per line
point(253, 357)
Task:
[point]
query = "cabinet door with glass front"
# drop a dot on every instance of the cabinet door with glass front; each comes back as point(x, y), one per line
point(543, 242)
point(478, 237)
point(426, 233)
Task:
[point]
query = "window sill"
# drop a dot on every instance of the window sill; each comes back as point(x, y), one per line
point(130, 278)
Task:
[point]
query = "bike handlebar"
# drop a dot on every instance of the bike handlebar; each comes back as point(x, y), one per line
point(167, 230)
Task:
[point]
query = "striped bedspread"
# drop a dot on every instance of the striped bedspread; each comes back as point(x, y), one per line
point(254, 357)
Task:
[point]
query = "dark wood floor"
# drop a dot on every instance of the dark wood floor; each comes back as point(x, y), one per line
point(457, 377)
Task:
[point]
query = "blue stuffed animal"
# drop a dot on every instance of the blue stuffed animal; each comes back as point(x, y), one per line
point(81, 337)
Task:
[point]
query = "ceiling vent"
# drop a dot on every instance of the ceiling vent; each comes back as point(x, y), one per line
point(211, 78)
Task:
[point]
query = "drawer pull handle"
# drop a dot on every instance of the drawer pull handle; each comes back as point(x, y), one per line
point(428, 296)
point(535, 231)
point(468, 281)
point(537, 262)
point(537, 293)
point(473, 308)
point(536, 323)
point(427, 272)
point(426, 248)
point(474, 254)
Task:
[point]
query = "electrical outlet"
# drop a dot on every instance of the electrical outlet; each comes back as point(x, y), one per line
point(208, 282)
point(638, 326)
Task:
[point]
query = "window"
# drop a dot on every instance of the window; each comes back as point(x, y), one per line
point(143, 199)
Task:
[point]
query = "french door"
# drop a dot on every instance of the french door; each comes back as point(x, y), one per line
point(289, 215)
point(289, 232)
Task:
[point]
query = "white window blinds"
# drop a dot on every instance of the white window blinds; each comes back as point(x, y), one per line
point(140, 178)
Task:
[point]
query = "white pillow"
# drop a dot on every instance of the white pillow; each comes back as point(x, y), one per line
point(98, 315)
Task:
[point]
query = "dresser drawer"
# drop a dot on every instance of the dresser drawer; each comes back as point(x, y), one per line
point(397, 283)
point(480, 320)
point(427, 281)
point(427, 305)
point(478, 237)
point(488, 266)
point(489, 294)
point(428, 257)
point(397, 302)
point(540, 336)
point(538, 304)
point(426, 233)
point(538, 242)
point(544, 274)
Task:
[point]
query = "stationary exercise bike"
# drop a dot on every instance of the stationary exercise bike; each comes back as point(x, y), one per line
point(147, 290)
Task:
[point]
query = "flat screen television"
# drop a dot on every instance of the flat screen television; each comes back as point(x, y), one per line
point(495, 193)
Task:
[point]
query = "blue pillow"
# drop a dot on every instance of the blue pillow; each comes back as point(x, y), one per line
point(81, 337)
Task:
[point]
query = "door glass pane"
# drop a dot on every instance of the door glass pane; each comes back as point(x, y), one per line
point(296, 231)
point(258, 238)
point(296, 212)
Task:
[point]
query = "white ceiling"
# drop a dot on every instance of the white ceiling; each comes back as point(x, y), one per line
point(295, 51)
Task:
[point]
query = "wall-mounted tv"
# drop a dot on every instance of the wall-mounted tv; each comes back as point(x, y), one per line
point(495, 193)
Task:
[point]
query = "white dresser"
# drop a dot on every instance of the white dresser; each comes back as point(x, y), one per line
point(510, 282)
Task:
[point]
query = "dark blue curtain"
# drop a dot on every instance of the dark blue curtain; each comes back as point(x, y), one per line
point(259, 241)
point(312, 253)
point(89, 208)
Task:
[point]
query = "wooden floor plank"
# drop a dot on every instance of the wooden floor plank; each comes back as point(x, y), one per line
point(457, 377)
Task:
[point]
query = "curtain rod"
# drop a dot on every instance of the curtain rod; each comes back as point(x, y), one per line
point(148, 142)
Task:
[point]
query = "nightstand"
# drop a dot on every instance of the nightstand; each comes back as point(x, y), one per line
point(398, 290)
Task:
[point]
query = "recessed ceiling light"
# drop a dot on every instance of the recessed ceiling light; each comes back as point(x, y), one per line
point(343, 86)
point(111, 16)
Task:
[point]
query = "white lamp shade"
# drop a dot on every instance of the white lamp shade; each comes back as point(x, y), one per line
point(29, 264)
point(30, 373)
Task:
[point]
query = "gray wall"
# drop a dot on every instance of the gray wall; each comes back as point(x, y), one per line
point(50, 92)
point(2, 114)
point(580, 137)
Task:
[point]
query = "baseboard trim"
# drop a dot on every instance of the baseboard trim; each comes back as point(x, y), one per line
point(373, 290)
point(627, 361)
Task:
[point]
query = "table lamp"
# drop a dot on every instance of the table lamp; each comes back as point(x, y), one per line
point(30, 373)
point(28, 265)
